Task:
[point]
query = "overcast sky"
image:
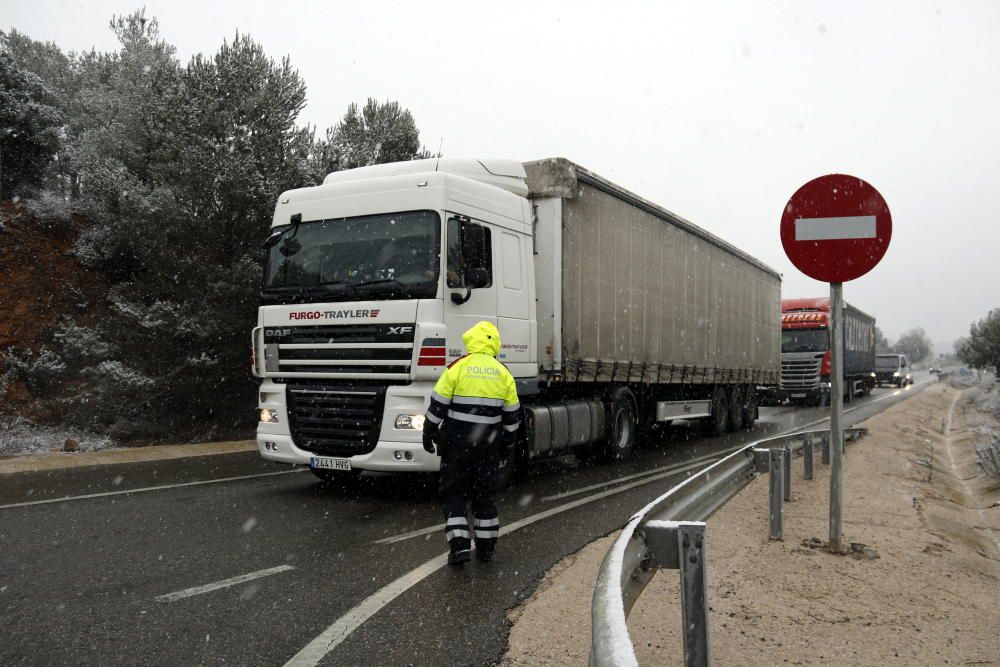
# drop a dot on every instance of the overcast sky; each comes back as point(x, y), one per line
point(718, 111)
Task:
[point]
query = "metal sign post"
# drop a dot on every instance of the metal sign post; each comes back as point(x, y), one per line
point(836, 412)
point(836, 228)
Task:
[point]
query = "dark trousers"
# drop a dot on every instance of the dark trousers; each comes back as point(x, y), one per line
point(469, 473)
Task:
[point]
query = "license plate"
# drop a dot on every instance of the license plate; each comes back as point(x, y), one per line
point(326, 463)
point(798, 395)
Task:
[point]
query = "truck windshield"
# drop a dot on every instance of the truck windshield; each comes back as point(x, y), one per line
point(804, 340)
point(390, 256)
point(887, 361)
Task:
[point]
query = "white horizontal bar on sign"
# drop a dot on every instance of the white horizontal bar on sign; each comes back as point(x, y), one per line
point(829, 229)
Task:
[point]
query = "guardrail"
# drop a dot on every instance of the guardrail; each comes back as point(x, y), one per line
point(669, 533)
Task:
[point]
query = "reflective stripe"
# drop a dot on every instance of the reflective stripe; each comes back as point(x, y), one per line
point(479, 400)
point(456, 521)
point(478, 419)
point(487, 534)
point(487, 523)
point(452, 534)
point(439, 398)
point(512, 408)
point(432, 418)
point(511, 427)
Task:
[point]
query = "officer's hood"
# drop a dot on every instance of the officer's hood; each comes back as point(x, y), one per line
point(483, 338)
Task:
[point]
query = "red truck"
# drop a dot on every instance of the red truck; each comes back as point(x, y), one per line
point(805, 352)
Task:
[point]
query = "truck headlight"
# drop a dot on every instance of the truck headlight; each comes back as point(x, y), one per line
point(410, 422)
point(269, 416)
point(824, 385)
point(896, 374)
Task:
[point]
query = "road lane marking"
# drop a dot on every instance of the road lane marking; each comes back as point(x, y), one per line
point(677, 468)
point(857, 407)
point(225, 583)
point(429, 530)
point(342, 628)
point(145, 489)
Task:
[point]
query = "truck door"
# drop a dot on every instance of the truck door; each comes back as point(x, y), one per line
point(470, 281)
point(514, 305)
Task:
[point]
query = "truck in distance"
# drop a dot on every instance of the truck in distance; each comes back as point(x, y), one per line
point(893, 369)
point(805, 351)
point(614, 312)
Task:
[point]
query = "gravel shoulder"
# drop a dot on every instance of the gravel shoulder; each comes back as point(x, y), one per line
point(914, 495)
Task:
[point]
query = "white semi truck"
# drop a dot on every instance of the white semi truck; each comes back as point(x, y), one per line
point(614, 313)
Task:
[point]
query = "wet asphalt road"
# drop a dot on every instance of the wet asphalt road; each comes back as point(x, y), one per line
point(80, 579)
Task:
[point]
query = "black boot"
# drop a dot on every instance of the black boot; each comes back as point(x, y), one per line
point(485, 555)
point(457, 558)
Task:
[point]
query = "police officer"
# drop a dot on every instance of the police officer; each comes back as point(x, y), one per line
point(475, 402)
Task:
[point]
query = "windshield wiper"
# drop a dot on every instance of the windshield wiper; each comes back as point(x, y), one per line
point(383, 281)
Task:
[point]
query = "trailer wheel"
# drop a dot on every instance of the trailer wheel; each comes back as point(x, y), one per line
point(717, 423)
point(749, 407)
point(734, 395)
point(621, 427)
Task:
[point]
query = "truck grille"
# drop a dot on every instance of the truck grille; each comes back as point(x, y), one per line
point(800, 374)
point(335, 420)
point(382, 350)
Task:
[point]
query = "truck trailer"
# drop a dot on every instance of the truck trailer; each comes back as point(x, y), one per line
point(805, 351)
point(614, 313)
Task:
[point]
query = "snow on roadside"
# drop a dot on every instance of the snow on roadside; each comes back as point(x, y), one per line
point(22, 437)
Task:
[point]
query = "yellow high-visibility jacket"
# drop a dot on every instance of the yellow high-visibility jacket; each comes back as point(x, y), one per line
point(476, 396)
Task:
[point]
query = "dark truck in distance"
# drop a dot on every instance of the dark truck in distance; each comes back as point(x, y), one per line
point(805, 352)
point(893, 369)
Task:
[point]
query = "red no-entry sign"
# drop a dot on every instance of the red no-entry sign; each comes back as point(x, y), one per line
point(836, 228)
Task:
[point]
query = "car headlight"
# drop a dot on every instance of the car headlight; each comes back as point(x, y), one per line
point(896, 374)
point(269, 416)
point(410, 422)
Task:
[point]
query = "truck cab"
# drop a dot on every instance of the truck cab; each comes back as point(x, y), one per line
point(893, 369)
point(806, 355)
point(369, 281)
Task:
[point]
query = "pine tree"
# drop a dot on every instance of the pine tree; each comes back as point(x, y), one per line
point(29, 128)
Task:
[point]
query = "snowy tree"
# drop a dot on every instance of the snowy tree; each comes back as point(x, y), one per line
point(982, 347)
point(881, 342)
point(179, 169)
point(375, 134)
point(29, 128)
point(914, 344)
point(176, 169)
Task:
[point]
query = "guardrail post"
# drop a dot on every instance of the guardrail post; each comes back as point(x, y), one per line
point(824, 444)
point(694, 593)
point(807, 457)
point(787, 472)
point(776, 480)
point(681, 545)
